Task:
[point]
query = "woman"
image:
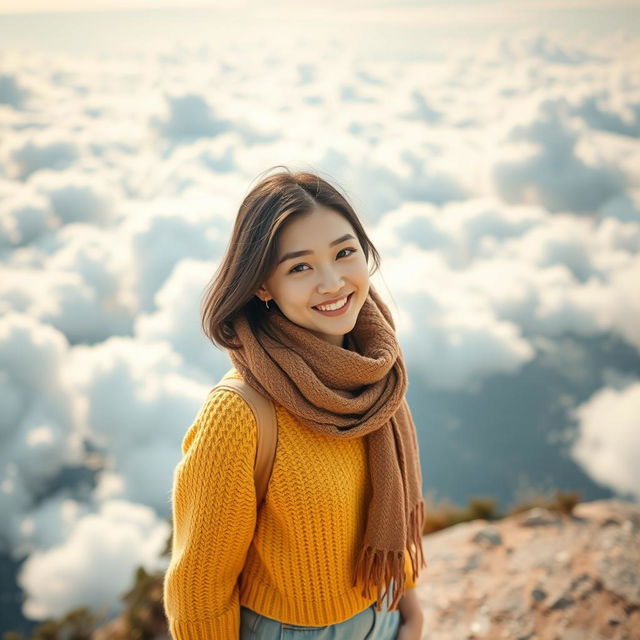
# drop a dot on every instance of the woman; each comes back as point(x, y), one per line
point(343, 512)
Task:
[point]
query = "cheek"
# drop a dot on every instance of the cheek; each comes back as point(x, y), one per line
point(362, 269)
point(296, 293)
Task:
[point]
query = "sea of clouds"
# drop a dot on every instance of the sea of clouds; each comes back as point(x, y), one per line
point(500, 183)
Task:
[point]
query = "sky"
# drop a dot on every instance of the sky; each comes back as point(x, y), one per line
point(494, 159)
point(393, 6)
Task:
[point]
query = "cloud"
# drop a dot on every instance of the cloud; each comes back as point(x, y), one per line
point(552, 171)
point(26, 216)
point(624, 207)
point(75, 289)
point(155, 399)
point(499, 179)
point(447, 330)
point(159, 240)
point(11, 91)
point(604, 114)
point(189, 116)
point(607, 441)
point(549, 50)
point(492, 264)
point(39, 431)
point(176, 319)
point(95, 565)
point(45, 150)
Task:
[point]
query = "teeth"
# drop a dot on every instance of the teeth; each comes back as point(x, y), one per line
point(333, 307)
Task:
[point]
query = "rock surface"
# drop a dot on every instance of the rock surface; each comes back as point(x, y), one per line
point(536, 576)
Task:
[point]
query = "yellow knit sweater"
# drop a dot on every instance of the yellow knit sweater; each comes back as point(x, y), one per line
point(294, 563)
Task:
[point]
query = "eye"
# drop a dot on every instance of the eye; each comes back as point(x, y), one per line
point(294, 269)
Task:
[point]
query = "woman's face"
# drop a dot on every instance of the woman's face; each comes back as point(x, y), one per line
point(298, 283)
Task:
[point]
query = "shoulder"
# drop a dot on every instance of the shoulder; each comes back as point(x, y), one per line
point(223, 404)
point(224, 415)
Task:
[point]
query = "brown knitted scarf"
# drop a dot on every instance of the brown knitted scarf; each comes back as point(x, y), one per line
point(350, 393)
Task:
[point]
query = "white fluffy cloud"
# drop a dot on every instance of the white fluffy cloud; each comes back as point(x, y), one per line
point(555, 162)
point(39, 431)
point(449, 331)
point(473, 279)
point(608, 438)
point(96, 563)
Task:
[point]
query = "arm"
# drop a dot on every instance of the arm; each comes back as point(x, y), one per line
point(214, 517)
point(409, 607)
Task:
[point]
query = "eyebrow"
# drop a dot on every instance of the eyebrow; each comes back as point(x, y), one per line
point(304, 252)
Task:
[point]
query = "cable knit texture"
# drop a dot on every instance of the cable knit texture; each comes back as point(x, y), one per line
point(294, 563)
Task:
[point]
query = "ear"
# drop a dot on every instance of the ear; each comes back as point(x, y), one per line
point(263, 294)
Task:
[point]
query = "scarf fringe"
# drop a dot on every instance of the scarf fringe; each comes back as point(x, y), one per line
point(380, 567)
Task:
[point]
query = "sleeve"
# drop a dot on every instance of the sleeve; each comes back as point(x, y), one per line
point(214, 517)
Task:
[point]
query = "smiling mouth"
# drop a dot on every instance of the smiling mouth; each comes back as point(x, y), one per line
point(339, 311)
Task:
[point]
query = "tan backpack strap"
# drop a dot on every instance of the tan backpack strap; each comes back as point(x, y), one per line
point(267, 431)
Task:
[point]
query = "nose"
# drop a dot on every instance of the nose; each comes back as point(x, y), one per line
point(331, 282)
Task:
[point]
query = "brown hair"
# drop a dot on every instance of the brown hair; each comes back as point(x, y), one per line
point(252, 250)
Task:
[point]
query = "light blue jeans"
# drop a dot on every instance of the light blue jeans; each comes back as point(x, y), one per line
point(366, 625)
